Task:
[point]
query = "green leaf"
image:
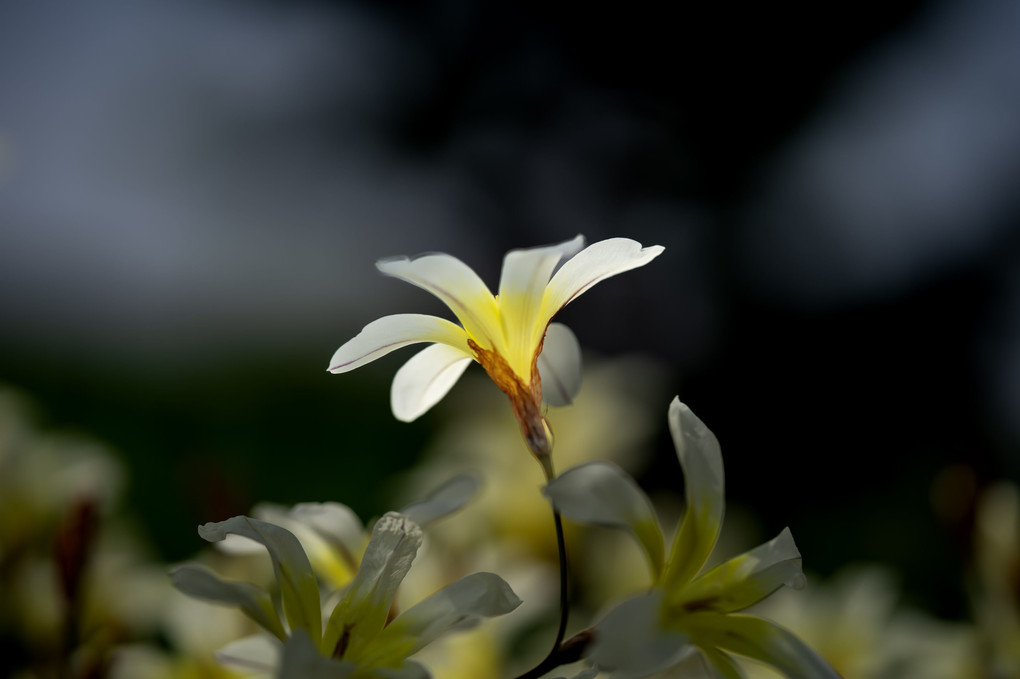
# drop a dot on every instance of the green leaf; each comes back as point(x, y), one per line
point(601, 493)
point(362, 611)
point(298, 586)
point(701, 461)
point(460, 603)
point(200, 582)
point(444, 500)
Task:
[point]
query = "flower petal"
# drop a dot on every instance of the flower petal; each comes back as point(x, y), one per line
point(720, 664)
point(761, 640)
point(630, 643)
point(747, 579)
point(444, 500)
point(364, 607)
point(301, 659)
point(521, 290)
point(425, 379)
point(458, 286)
point(701, 461)
point(603, 494)
point(456, 605)
point(201, 583)
point(331, 534)
point(559, 365)
point(586, 673)
point(390, 333)
point(409, 670)
point(595, 263)
point(258, 653)
point(298, 586)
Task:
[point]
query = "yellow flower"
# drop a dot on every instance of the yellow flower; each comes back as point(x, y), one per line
point(509, 334)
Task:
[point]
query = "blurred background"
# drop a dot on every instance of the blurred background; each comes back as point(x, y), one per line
point(193, 196)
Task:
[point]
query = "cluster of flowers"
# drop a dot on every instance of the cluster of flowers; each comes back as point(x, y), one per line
point(690, 614)
point(337, 599)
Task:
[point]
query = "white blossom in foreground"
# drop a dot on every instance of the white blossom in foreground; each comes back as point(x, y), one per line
point(690, 615)
point(509, 333)
point(359, 640)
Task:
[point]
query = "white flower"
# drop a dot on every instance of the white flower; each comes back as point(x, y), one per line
point(509, 334)
point(358, 641)
point(688, 607)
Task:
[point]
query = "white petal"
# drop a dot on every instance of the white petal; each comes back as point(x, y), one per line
point(701, 461)
point(425, 379)
point(363, 609)
point(258, 653)
point(474, 596)
point(200, 582)
point(709, 663)
point(630, 643)
point(529, 269)
point(333, 538)
point(237, 545)
point(390, 333)
point(444, 500)
point(559, 365)
point(298, 587)
point(409, 670)
point(747, 579)
point(521, 291)
point(762, 640)
point(603, 494)
point(456, 284)
point(595, 263)
point(334, 523)
point(586, 673)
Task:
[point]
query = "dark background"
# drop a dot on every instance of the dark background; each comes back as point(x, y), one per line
point(192, 198)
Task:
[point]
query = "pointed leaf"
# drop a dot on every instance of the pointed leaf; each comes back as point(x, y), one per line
point(200, 582)
point(298, 586)
point(701, 461)
point(603, 494)
point(758, 639)
point(364, 607)
point(479, 595)
point(747, 579)
point(444, 500)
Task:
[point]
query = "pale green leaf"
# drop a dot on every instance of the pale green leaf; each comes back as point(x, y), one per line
point(601, 493)
point(298, 587)
point(444, 500)
point(362, 611)
point(701, 461)
point(200, 582)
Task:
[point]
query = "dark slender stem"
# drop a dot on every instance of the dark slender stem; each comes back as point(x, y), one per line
point(554, 658)
point(567, 652)
point(560, 653)
point(561, 550)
